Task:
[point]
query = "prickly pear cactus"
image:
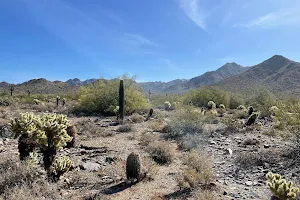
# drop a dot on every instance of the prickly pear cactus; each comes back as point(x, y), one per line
point(133, 166)
point(211, 105)
point(280, 188)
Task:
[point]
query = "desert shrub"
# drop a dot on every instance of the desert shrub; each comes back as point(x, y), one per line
point(14, 173)
point(233, 125)
point(147, 138)
point(158, 100)
point(6, 101)
point(262, 101)
point(102, 97)
point(161, 152)
point(185, 121)
point(125, 128)
point(199, 169)
point(189, 142)
point(136, 118)
point(235, 101)
point(203, 95)
point(241, 114)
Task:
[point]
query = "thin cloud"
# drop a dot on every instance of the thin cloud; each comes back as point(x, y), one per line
point(171, 65)
point(193, 11)
point(138, 44)
point(138, 40)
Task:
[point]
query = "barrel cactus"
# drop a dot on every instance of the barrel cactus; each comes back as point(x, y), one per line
point(150, 112)
point(211, 105)
point(133, 166)
point(280, 188)
point(71, 131)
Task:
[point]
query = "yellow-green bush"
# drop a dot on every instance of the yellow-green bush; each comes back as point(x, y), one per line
point(102, 97)
point(203, 95)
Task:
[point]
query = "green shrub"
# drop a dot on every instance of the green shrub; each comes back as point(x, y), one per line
point(102, 97)
point(203, 95)
point(235, 101)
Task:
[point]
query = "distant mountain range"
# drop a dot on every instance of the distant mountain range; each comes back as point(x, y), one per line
point(278, 74)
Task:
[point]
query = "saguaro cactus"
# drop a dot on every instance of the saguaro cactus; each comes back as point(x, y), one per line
point(12, 89)
point(121, 100)
point(57, 100)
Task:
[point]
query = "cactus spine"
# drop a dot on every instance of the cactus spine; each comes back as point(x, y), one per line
point(133, 166)
point(280, 188)
point(121, 100)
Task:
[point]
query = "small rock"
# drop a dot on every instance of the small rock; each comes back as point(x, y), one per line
point(89, 166)
point(249, 183)
point(229, 151)
point(6, 140)
point(212, 142)
point(225, 193)
point(1, 143)
point(266, 146)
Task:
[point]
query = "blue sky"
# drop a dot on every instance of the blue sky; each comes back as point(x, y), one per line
point(156, 40)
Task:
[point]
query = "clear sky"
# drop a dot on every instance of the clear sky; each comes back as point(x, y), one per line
point(157, 40)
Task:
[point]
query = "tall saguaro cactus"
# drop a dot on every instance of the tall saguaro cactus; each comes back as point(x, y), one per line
point(12, 89)
point(121, 100)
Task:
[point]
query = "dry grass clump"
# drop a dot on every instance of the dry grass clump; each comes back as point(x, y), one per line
point(14, 173)
point(199, 169)
point(155, 125)
point(136, 118)
point(240, 114)
point(205, 195)
point(147, 138)
point(125, 128)
point(161, 152)
point(36, 191)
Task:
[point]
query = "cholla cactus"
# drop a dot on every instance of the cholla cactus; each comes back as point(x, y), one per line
point(273, 110)
point(250, 110)
point(222, 106)
point(241, 107)
point(25, 129)
point(54, 135)
point(252, 118)
point(36, 101)
point(167, 105)
point(211, 105)
point(64, 101)
point(62, 165)
point(280, 188)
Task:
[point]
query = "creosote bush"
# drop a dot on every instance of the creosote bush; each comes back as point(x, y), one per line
point(102, 97)
point(161, 152)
